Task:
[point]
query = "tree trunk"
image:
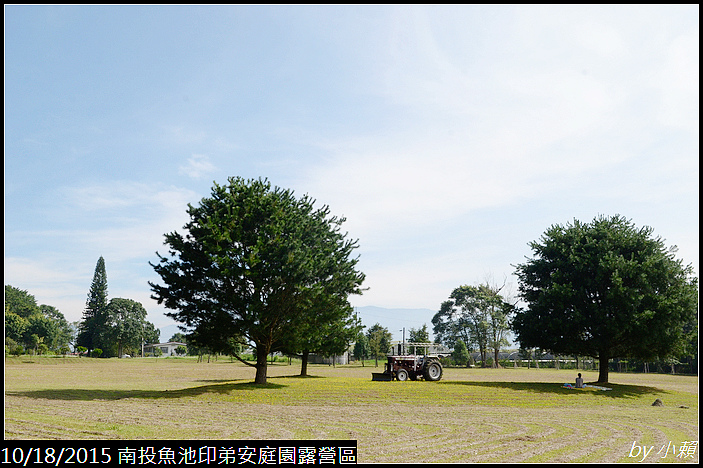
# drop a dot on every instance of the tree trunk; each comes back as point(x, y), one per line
point(261, 365)
point(603, 369)
point(304, 365)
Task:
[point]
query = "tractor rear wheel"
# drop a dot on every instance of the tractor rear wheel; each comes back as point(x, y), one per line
point(402, 375)
point(433, 371)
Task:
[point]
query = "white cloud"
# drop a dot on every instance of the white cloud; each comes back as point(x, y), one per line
point(122, 221)
point(488, 128)
point(198, 166)
point(125, 218)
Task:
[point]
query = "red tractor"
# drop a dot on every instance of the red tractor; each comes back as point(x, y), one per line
point(410, 367)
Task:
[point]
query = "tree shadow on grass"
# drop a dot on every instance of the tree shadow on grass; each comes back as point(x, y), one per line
point(267, 378)
point(298, 377)
point(80, 394)
point(617, 390)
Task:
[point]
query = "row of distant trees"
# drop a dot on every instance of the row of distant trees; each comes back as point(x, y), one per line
point(108, 328)
point(34, 328)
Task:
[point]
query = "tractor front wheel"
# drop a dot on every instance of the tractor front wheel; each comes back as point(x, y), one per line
point(402, 375)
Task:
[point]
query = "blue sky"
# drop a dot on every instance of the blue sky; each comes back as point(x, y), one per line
point(449, 137)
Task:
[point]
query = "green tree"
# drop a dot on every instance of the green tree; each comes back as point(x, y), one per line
point(19, 307)
point(150, 334)
point(92, 326)
point(526, 354)
point(255, 263)
point(328, 330)
point(125, 325)
point(361, 348)
point(20, 302)
point(62, 334)
point(16, 349)
point(24, 318)
point(476, 315)
point(460, 353)
point(606, 289)
point(449, 325)
point(15, 326)
point(379, 339)
point(33, 341)
point(42, 327)
point(421, 335)
point(499, 314)
point(178, 338)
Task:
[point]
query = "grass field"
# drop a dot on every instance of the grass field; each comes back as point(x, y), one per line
point(471, 415)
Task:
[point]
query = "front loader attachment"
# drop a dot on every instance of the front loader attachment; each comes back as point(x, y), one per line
point(381, 376)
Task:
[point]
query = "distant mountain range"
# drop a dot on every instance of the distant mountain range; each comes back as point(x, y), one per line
point(393, 319)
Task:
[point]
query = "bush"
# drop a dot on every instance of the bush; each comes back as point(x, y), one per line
point(460, 355)
point(97, 352)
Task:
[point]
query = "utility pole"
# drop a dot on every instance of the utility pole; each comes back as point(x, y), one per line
point(402, 351)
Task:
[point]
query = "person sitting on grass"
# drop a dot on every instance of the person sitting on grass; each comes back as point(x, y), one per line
point(579, 381)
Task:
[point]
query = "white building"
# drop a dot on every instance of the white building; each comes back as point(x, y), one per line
point(167, 349)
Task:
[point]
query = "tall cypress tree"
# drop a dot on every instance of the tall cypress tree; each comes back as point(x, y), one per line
point(95, 309)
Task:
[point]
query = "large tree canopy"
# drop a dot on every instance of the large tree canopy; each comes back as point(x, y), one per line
point(605, 289)
point(125, 328)
point(254, 263)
